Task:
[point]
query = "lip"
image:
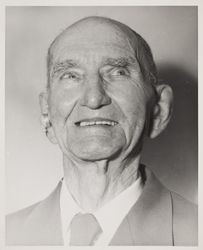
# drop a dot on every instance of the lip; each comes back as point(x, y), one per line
point(95, 119)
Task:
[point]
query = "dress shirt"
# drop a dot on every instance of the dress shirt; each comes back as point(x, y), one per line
point(108, 216)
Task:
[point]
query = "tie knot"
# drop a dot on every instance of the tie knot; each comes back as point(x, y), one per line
point(85, 230)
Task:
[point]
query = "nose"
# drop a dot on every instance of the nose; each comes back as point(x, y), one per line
point(94, 94)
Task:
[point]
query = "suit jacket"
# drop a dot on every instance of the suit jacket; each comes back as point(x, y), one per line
point(159, 217)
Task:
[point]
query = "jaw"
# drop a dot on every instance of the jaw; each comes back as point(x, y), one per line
point(100, 142)
point(97, 144)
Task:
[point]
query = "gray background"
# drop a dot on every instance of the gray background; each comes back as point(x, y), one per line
point(33, 164)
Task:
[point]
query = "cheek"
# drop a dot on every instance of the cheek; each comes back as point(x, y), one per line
point(132, 100)
point(135, 111)
point(135, 119)
point(61, 103)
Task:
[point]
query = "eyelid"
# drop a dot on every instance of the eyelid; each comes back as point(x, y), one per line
point(121, 69)
point(108, 72)
point(70, 72)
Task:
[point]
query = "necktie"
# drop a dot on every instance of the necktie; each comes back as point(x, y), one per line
point(84, 230)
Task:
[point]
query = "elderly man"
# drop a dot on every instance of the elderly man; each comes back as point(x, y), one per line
point(102, 100)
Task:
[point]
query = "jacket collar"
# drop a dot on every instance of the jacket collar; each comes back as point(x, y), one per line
point(149, 222)
point(142, 226)
point(44, 222)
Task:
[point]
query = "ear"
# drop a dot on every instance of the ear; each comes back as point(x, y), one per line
point(162, 111)
point(45, 118)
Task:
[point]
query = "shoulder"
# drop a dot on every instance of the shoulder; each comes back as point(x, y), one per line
point(183, 207)
point(30, 225)
point(20, 216)
point(16, 224)
point(178, 213)
point(185, 220)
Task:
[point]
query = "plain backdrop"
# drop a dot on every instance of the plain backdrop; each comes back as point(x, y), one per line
point(33, 164)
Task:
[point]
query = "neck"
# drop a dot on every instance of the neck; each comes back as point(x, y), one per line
point(92, 184)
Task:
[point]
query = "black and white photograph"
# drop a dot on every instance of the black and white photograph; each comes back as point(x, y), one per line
point(101, 125)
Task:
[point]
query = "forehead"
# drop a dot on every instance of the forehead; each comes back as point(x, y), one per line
point(92, 40)
point(96, 55)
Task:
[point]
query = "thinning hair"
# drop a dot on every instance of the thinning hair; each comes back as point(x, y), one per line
point(142, 51)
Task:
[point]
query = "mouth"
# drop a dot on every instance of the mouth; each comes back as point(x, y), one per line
point(96, 122)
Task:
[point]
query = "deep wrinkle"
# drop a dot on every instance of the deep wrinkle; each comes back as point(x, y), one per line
point(114, 62)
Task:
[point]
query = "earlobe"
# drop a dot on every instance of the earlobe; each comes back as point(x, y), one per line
point(45, 119)
point(162, 111)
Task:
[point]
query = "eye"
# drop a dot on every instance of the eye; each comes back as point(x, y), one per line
point(69, 76)
point(120, 72)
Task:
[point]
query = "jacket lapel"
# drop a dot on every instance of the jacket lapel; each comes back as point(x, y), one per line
point(43, 225)
point(149, 221)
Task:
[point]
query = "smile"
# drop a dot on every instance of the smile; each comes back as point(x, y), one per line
point(95, 122)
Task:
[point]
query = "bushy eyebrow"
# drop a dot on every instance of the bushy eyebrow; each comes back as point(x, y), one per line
point(115, 62)
point(121, 62)
point(61, 66)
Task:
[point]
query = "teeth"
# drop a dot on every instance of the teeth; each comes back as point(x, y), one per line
point(109, 123)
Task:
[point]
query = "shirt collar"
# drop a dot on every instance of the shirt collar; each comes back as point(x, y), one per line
point(69, 208)
point(115, 210)
point(112, 214)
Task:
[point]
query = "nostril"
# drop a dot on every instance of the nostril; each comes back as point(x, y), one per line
point(95, 98)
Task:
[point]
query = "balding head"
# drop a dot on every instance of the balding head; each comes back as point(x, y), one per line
point(99, 30)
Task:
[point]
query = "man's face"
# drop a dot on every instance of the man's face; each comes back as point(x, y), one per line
point(97, 99)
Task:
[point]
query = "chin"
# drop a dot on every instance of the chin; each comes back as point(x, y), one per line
point(91, 151)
